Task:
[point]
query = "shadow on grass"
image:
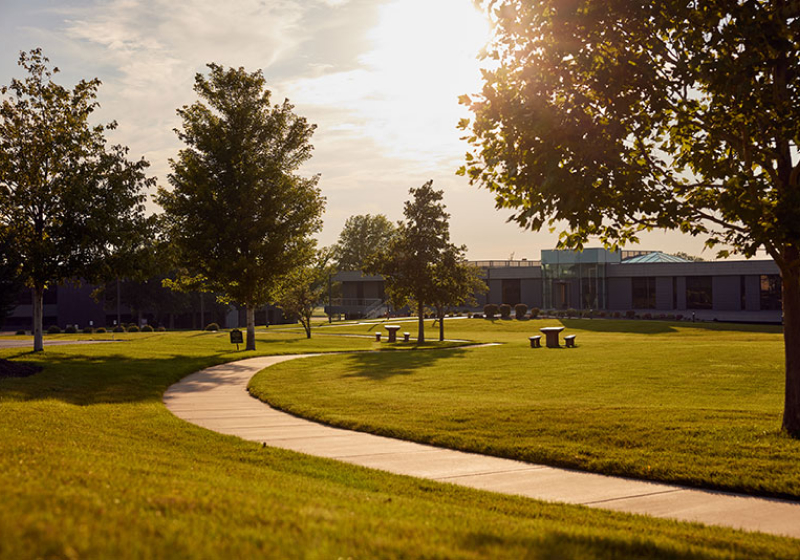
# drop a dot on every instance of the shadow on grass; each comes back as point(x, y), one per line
point(644, 326)
point(84, 381)
point(379, 366)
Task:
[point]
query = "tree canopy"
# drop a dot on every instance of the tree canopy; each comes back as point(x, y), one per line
point(239, 214)
point(304, 288)
point(72, 205)
point(615, 117)
point(361, 237)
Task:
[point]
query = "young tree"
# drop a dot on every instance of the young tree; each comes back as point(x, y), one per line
point(409, 263)
point(361, 237)
point(69, 202)
point(304, 288)
point(620, 116)
point(455, 282)
point(239, 215)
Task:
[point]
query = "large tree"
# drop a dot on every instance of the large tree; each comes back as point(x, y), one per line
point(361, 237)
point(619, 116)
point(410, 262)
point(72, 205)
point(239, 214)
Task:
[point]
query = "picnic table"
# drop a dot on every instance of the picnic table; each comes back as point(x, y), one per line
point(551, 336)
point(392, 329)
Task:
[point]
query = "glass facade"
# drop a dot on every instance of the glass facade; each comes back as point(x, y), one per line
point(770, 295)
point(699, 292)
point(643, 293)
point(576, 280)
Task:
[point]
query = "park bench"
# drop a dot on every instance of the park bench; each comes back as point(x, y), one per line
point(406, 336)
point(569, 341)
point(536, 341)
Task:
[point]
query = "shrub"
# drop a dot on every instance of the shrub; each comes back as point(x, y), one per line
point(630, 314)
point(20, 332)
point(53, 329)
point(490, 310)
point(161, 329)
point(133, 328)
point(88, 330)
point(670, 317)
point(602, 314)
point(70, 329)
point(679, 317)
point(587, 313)
point(616, 315)
point(520, 310)
point(212, 327)
point(477, 316)
point(534, 312)
point(663, 317)
point(100, 330)
point(505, 311)
point(119, 328)
point(147, 328)
point(647, 316)
point(572, 313)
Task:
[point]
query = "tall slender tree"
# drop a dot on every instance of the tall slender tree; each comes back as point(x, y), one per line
point(621, 116)
point(415, 258)
point(239, 214)
point(71, 203)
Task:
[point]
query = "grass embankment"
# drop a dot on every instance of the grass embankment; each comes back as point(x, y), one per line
point(697, 404)
point(94, 466)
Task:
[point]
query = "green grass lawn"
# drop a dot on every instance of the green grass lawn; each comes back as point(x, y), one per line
point(697, 404)
point(94, 466)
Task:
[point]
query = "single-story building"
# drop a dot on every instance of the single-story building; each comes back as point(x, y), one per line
point(601, 280)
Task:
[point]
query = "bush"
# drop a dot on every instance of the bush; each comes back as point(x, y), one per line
point(133, 328)
point(147, 328)
point(490, 310)
point(602, 314)
point(212, 327)
point(678, 317)
point(505, 311)
point(20, 332)
point(53, 329)
point(88, 330)
point(587, 313)
point(534, 312)
point(630, 314)
point(647, 316)
point(670, 317)
point(119, 328)
point(70, 329)
point(161, 329)
point(100, 330)
point(520, 310)
point(478, 316)
point(572, 312)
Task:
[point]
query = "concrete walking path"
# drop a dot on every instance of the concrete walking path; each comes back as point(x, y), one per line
point(216, 398)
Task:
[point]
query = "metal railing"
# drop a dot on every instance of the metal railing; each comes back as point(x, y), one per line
point(506, 264)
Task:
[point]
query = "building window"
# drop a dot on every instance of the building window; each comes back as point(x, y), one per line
point(644, 292)
point(512, 292)
point(674, 292)
point(699, 292)
point(770, 292)
point(742, 293)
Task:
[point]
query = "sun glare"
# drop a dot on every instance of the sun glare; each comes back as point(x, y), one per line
point(425, 57)
point(404, 95)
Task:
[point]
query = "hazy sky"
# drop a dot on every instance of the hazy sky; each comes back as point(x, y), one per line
point(380, 78)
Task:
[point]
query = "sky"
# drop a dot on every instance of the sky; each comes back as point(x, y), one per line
point(379, 78)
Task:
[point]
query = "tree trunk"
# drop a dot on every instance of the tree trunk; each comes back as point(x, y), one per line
point(441, 324)
point(251, 328)
point(202, 312)
point(38, 308)
point(790, 282)
point(421, 326)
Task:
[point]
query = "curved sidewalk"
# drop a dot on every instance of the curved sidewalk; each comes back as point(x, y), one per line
point(216, 398)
